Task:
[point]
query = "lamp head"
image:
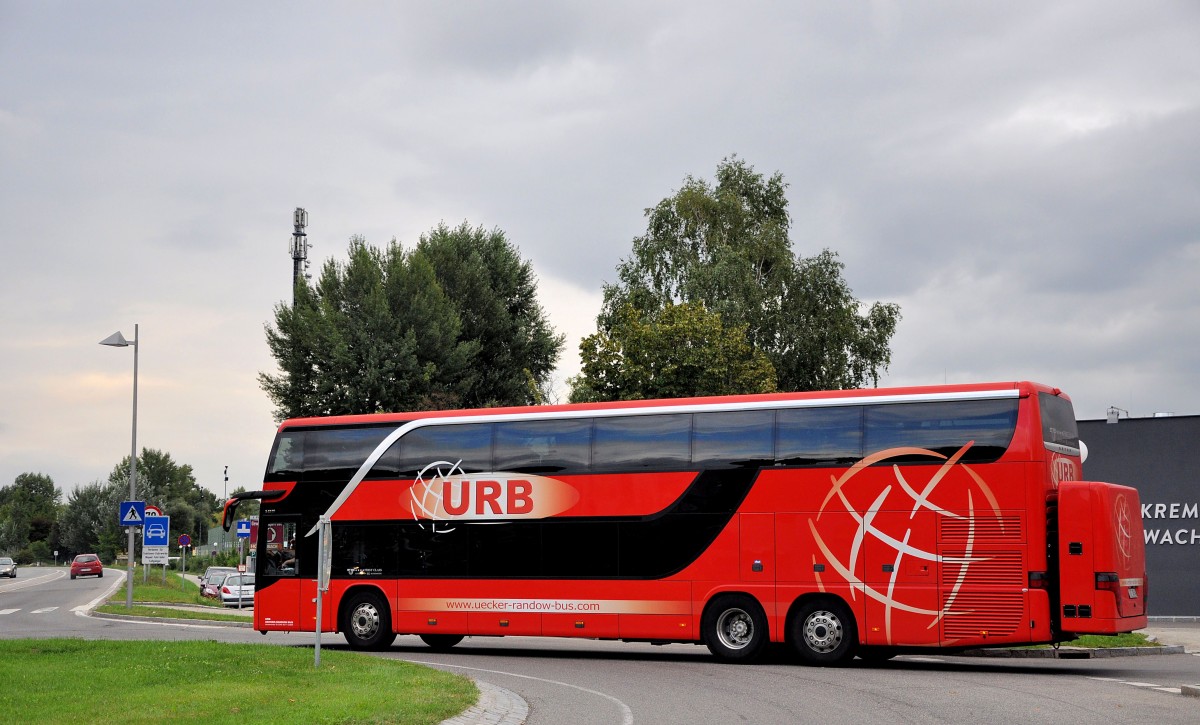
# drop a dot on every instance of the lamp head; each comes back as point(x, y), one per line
point(116, 340)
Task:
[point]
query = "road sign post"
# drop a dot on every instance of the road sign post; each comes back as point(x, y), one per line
point(243, 533)
point(184, 542)
point(324, 549)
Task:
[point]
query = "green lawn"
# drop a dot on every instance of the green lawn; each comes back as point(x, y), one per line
point(1131, 639)
point(75, 681)
point(174, 591)
point(210, 614)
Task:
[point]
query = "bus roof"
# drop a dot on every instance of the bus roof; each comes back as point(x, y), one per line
point(826, 397)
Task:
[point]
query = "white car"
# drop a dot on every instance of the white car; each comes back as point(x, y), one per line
point(238, 587)
point(8, 567)
point(156, 531)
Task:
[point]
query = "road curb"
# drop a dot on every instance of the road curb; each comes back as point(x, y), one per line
point(169, 620)
point(1075, 653)
point(496, 706)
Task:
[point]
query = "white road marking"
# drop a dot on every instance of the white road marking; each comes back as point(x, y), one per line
point(1147, 685)
point(8, 611)
point(626, 713)
point(32, 581)
point(43, 610)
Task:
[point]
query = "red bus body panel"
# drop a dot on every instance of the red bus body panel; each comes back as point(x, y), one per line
point(1100, 539)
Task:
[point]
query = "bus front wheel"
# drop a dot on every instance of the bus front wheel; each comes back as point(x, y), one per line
point(734, 628)
point(367, 622)
point(823, 632)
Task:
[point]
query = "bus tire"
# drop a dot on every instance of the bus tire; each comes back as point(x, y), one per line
point(367, 622)
point(735, 628)
point(441, 642)
point(823, 632)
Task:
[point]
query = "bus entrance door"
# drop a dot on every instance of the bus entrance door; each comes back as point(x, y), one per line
point(278, 592)
point(1101, 558)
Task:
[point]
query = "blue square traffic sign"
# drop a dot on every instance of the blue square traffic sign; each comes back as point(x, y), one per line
point(243, 528)
point(157, 531)
point(133, 513)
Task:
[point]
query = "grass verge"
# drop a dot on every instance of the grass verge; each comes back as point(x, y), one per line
point(173, 591)
point(64, 681)
point(1095, 641)
point(210, 614)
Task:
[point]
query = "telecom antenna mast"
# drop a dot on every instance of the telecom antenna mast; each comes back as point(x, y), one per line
point(298, 248)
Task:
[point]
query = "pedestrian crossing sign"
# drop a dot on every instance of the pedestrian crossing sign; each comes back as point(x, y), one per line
point(133, 513)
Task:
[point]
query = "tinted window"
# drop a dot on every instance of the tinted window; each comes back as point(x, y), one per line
point(365, 550)
point(428, 552)
point(287, 458)
point(732, 439)
point(471, 444)
point(641, 442)
point(562, 555)
point(944, 427)
point(503, 550)
point(335, 454)
point(545, 446)
point(818, 436)
point(1058, 421)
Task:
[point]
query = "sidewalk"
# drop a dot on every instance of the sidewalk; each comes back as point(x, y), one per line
point(1185, 633)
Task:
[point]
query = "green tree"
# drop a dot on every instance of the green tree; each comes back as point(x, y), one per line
point(88, 523)
point(677, 351)
point(495, 294)
point(451, 323)
point(173, 488)
point(727, 246)
point(376, 333)
point(28, 510)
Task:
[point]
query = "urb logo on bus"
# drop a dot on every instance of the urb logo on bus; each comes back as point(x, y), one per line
point(443, 492)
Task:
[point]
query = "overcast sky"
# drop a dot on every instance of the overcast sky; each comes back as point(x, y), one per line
point(1023, 179)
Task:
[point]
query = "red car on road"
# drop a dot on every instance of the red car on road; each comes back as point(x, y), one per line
point(87, 565)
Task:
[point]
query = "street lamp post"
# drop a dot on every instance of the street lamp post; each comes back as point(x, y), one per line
point(118, 340)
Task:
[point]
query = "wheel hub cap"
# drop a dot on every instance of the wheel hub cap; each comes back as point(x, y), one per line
point(823, 631)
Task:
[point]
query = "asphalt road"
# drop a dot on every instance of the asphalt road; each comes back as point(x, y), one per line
point(584, 682)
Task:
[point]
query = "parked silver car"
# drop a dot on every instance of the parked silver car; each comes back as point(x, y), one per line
point(214, 575)
point(238, 587)
point(8, 567)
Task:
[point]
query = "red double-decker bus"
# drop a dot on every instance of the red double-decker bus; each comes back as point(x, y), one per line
point(865, 522)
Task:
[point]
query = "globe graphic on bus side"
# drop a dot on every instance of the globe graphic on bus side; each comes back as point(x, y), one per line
point(425, 499)
point(884, 503)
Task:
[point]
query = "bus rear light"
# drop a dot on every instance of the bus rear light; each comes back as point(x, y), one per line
point(1039, 580)
point(1108, 581)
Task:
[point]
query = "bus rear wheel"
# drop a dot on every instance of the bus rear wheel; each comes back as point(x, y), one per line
point(735, 628)
point(441, 642)
point(823, 632)
point(367, 622)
